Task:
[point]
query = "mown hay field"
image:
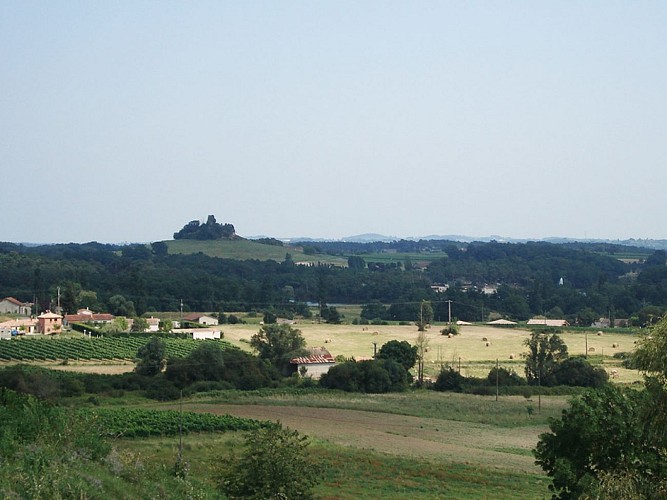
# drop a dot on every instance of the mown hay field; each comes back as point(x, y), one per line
point(469, 349)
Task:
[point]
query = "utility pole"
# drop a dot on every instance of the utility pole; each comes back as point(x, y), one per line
point(449, 304)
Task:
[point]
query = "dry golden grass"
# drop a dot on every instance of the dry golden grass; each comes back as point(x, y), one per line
point(468, 348)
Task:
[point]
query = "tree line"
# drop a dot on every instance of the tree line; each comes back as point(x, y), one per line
point(560, 281)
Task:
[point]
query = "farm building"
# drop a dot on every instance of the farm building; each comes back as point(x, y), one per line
point(153, 324)
point(206, 334)
point(316, 363)
point(87, 316)
point(547, 322)
point(19, 327)
point(49, 323)
point(202, 319)
point(501, 322)
point(10, 305)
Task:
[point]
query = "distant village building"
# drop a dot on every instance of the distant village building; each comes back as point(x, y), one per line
point(501, 322)
point(202, 334)
point(316, 363)
point(87, 316)
point(153, 324)
point(202, 319)
point(49, 323)
point(439, 288)
point(27, 326)
point(10, 305)
point(547, 322)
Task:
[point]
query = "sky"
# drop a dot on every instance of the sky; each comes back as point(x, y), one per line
point(121, 121)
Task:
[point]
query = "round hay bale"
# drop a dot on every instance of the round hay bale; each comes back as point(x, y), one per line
point(512, 356)
point(599, 333)
point(488, 344)
point(614, 345)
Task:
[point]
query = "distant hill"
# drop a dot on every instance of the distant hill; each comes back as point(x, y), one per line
point(243, 249)
point(660, 244)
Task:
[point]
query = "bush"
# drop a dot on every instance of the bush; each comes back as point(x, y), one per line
point(274, 464)
point(366, 376)
point(449, 380)
point(505, 377)
point(578, 372)
point(451, 329)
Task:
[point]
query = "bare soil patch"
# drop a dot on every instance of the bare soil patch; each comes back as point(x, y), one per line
point(110, 368)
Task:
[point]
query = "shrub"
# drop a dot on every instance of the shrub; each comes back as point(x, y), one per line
point(453, 329)
point(449, 380)
point(577, 371)
point(274, 464)
point(366, 376)
point(505, 377)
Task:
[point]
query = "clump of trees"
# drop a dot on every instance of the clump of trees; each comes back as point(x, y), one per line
point(611, 442)
point(210, 230)
point(548, 364)
point(278, 344)
point(400, 351)
point(369, 376)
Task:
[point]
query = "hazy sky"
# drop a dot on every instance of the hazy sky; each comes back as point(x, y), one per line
point(124, 120)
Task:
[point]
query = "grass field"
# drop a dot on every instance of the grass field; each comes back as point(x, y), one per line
point(419, 444)
point(248, 250)
point(469, 349)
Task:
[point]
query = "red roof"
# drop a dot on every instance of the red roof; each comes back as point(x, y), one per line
point(312, 360)
point(15, 301)
point(319, 355)
point(73, 318)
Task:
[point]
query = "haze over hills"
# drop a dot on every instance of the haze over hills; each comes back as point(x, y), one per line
point(660, 244)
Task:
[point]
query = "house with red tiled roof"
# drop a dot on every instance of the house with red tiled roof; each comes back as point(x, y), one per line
point(10, 305)
point(23, 326)
point(87, 316)
point(316, 363)
point(49, 323)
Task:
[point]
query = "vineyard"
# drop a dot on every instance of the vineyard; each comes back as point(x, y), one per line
point(134, 422)
point(95, 348)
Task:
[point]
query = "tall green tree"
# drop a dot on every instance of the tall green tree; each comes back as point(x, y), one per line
point(400, 351)
point(151, 357)
point(425, 315)
point(612, 443)
point(278, 344)
point(599, 432)
point(544, 353)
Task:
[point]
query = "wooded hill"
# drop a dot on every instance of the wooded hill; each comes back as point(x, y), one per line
point(129, 280)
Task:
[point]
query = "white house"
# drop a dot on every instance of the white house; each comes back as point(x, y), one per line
point(206, 334)
point(316, 363)
point(19, 327)
point(547, 322)
point(202, 319)
point(153, 324)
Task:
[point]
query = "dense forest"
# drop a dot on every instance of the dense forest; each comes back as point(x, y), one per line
point(579, 282)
